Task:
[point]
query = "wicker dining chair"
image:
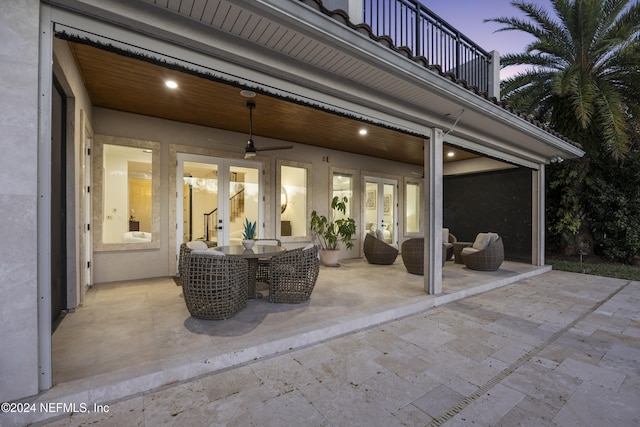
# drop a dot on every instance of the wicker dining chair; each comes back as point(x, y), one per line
point(215, 286)
point(262, 273)
point(413, 255)
point(378, 252)
point(489, 258)
point(185, 250)
point(293, 275)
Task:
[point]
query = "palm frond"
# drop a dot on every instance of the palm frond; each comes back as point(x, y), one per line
point(612, 120)
point(583, 64)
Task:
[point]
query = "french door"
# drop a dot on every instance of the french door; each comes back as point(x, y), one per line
point(214, 196)
point(381, 208)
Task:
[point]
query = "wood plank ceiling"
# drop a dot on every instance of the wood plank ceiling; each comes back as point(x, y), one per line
point(137, 86)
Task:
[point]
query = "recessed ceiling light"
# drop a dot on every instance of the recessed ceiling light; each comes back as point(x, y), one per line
point(451, 154)
point(171, 84)
point(248, 93)
point(362, 131)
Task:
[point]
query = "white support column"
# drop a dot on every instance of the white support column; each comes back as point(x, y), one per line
point(353, 7)
point(537, 216)
point(433, 212)
point(44, 201)
point(494, 74)
point(356, 7)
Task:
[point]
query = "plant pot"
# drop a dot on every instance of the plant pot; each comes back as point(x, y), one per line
point(329, 257)
point(248, 244)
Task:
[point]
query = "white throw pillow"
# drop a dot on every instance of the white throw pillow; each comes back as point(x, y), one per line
point(212, 251)
point(197, 245)
point(482, 241)
point(445, 235)
point(493, 237)
point(469, 250)
point(380, 235)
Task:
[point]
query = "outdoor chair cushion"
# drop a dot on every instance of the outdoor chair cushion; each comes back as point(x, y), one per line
point(185, 250)
point(488, 259)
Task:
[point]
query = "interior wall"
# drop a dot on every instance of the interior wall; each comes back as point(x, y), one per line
point(497, 201)
point(125, 265)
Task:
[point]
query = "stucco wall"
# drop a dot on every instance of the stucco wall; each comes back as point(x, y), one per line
point(19, 57)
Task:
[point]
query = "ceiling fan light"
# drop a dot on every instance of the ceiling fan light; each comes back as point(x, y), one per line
point(249, 154)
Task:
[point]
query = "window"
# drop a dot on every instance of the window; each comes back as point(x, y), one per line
point(294, 199)
point(413, 206)
point(126, 204)
point(342, 186)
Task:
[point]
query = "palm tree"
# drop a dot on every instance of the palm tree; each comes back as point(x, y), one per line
point(583, 75)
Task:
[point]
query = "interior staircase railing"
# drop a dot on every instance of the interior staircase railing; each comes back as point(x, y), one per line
point(236, 209)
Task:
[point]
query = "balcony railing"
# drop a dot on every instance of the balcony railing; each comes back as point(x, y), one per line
point(410, 24)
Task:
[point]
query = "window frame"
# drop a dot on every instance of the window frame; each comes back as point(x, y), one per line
point(420, 183)
point(97, 188)
point(277, 194)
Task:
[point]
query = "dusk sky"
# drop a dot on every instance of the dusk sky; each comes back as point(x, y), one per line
point(468, 16)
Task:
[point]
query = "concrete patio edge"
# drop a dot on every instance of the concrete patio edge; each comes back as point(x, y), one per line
point(76, 394)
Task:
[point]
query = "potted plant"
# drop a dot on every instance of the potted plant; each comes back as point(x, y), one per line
point(249, 234)
point(328, 234)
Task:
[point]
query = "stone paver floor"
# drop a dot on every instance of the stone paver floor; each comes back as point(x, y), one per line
point(559, 349)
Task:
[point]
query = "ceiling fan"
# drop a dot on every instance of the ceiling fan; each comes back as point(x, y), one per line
point(250, 149)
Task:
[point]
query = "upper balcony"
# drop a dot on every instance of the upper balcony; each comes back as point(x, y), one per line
point(411, 26)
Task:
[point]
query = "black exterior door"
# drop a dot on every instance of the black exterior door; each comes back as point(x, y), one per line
point(58, 207)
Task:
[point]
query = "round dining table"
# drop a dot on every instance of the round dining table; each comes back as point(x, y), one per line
point(251, 255)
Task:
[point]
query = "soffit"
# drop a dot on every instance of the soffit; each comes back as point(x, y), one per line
point(131, 85)
point(276, 27)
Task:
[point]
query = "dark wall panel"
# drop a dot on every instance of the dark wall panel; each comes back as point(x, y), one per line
point(497, 201)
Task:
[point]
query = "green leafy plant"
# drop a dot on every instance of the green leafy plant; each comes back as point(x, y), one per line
point(249, 230)
point(329, 233)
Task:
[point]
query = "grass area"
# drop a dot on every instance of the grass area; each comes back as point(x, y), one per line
point(597, 268)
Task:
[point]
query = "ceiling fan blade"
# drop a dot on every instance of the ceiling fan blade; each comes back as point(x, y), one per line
point(279, 147)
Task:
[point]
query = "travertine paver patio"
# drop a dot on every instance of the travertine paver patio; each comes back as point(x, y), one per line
point(559, 349)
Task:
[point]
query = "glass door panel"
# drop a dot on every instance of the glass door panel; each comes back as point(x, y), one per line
point(380, 208)
point(244, 201)
point(201, 209)
point(214, 197)
point(388, 213)
point(372, 220)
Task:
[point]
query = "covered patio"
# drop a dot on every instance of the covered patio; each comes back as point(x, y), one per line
point(131, 337)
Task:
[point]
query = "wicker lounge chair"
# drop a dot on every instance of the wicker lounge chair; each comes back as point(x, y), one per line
point(448, 240)
point(487, 256)
point(293, 275)
point(378, 252)
point(214, 286)
point(262, 273)
point(413, 255)
point(185, 250)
